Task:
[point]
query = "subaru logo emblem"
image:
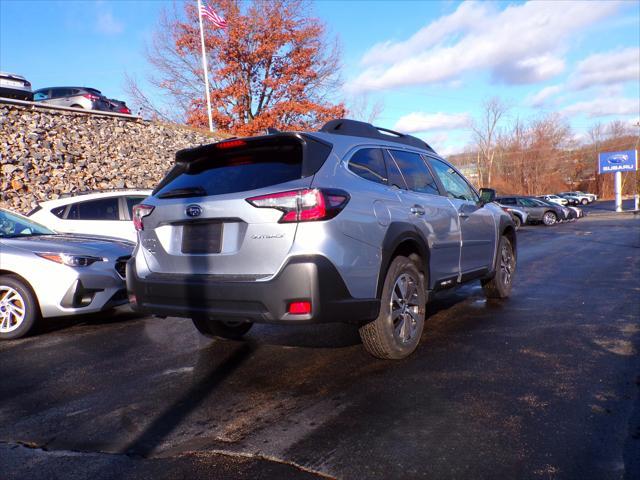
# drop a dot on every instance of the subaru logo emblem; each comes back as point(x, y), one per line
point(194, 211)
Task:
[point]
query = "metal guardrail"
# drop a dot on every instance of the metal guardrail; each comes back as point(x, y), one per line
point(44, 106)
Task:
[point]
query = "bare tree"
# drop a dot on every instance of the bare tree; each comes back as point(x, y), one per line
point(485, 132)
point(361, 108)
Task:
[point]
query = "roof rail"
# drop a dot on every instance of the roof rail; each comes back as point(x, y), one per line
point(355, 128)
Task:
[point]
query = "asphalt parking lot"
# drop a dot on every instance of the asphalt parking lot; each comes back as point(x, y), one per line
point(544, 385)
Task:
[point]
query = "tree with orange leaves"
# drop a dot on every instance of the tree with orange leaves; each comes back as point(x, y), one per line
point(271, 67)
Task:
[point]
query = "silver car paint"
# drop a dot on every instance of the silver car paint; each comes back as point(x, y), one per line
point(352, 241)
point(50, 280)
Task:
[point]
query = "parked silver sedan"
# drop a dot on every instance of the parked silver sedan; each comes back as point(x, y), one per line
point(45, 274)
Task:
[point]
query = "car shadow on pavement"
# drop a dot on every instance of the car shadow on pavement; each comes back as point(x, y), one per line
point(54, 324)
point(163, 425)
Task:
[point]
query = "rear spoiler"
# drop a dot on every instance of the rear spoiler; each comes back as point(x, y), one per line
point(314, 151)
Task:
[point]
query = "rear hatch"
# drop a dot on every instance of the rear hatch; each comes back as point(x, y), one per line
point(203, 221)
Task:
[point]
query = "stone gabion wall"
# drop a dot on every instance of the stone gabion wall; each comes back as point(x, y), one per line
point(45, 153)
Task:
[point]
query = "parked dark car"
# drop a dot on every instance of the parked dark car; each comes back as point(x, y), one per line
point(15, 86)
point(119, 106)
point(75, 97)
point(549, 214)
point(566, 213)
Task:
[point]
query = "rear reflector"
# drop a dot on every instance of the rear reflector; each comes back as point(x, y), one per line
point(299, 308)
point(304, 205)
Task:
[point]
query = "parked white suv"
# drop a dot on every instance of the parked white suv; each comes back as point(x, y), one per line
point(105, 213)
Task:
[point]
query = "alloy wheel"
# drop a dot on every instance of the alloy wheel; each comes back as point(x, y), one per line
point(12, 309)
point(549, 218)
point(507, 264)
point(405, 308)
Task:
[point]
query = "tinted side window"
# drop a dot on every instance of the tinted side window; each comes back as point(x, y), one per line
point(507, 201)
point(43, 95)
point(395, 177)
point(455, 185)
point(527, 202)
point(59, 211)
point(368, 163)
point(103, 209)
point(415, 172)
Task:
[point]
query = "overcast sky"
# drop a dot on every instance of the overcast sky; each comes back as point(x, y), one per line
point(429, 64)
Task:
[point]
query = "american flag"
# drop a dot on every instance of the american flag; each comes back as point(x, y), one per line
point(210, 13)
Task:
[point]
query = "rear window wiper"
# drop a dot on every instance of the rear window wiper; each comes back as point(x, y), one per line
point(184, 192)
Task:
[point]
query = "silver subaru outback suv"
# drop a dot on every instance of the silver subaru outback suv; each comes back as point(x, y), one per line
point(353, 223)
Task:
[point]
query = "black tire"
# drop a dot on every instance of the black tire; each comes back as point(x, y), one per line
point(517, 222)
point(584, 201)
point(215, 328)
point(549, 218)
point(390, 337)
point(500, 285)
point(16, 295)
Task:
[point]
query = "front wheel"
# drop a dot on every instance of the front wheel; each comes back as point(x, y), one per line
point(19, 310)
point(584, 201)
point(549, 218)
point(396, 332)
point(500, 285)
point(228, 329)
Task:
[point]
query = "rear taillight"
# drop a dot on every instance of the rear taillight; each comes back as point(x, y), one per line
point(306, 205)
point(139, 212)
point(91, 96)
point(125, 110)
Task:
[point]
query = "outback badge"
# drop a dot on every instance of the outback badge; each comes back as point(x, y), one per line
point(193, 211)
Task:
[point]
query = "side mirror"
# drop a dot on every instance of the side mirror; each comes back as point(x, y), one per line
point(487, 195)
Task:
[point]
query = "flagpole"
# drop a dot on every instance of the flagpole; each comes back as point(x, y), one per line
point(204, 67)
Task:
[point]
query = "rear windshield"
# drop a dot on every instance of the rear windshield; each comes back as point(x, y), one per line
point(231, 172)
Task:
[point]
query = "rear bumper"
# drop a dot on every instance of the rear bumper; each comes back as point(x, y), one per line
point(306, 278)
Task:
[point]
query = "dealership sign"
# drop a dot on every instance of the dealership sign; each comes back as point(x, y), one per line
point(611, 162)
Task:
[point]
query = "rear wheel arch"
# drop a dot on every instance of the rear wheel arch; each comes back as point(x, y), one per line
point(403, 239)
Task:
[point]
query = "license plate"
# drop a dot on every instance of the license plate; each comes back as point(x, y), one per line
point(202, 238)
point(11, 83)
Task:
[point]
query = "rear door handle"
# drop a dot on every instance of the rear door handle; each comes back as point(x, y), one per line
point(417, 210)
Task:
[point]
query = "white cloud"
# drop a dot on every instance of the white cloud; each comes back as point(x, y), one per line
point(106, 23)
point(540, 98)
point(424, 122)
point(607, 68)
point(520, 44)
point(529, 70)
point(605, 106)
